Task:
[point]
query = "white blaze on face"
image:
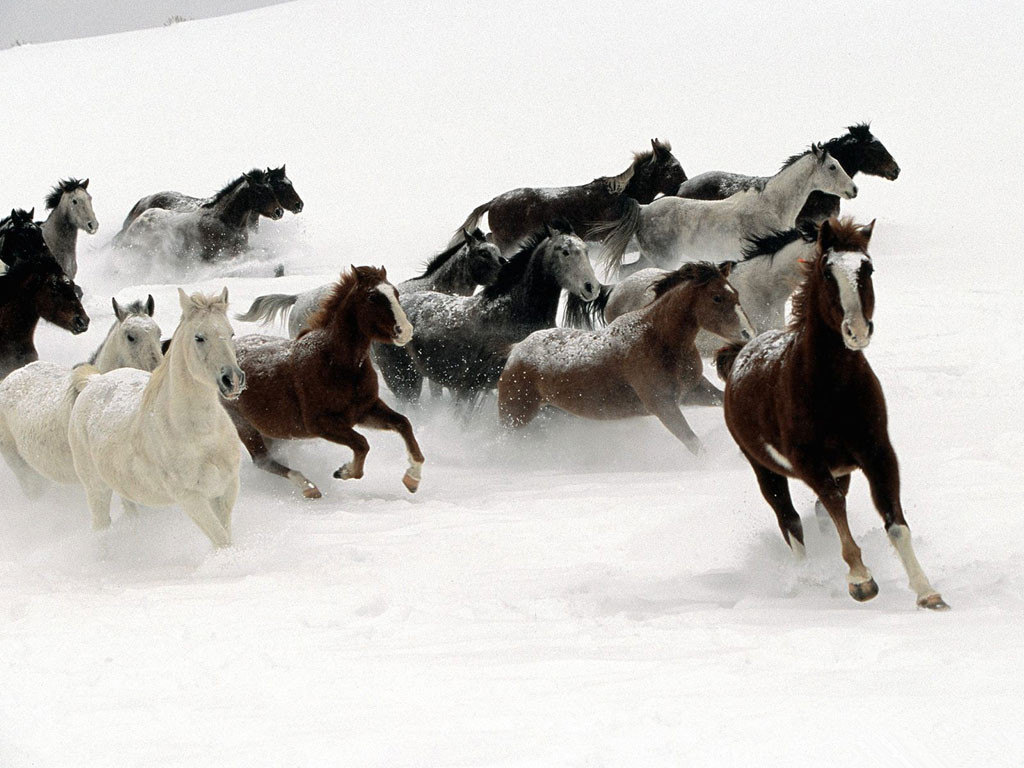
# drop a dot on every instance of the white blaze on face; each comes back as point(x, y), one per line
point(845, 266)
point(401, 321)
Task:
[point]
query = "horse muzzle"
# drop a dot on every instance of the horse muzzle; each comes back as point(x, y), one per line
point(79, 324)
point(231, 383)
point(857, 335)
point(402, 335)
point(92, 227)
point(297, 208)
point(851, 192)
point(893, 173)
point(278, 213)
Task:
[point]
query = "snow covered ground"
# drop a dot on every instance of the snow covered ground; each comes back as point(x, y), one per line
point(584, 594)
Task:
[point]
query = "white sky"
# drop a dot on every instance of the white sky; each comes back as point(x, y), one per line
point(39, 21)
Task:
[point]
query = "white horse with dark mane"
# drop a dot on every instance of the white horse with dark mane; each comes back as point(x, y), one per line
point(36, 400)
point(70, 207)
point(164, 438)
point(672, 230)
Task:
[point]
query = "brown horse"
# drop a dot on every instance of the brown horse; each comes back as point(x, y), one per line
point(804, 403)
point(31, 289)
point(322, 383)
point(645, 362)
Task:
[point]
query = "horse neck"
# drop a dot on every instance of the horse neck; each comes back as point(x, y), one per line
point(847, 153)
point(642, 187)
point(18, 320)
point(673, 321)
point(105, 358)
point(235, 207)
point(454, 276)
point(173, 391)
point(61, 236)
point(787, 191)
point(346, 342)
point(535, 298)
point(820, 348)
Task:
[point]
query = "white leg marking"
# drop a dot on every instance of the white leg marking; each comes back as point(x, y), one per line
point(778, 458)
point(899, 535)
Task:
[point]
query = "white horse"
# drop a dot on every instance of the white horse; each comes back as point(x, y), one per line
point(672, 230)
point(36, 400)
point(164, 438)
point(70, 207)
point(766, 277)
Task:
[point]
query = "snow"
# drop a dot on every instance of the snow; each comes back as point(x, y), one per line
point(587, 594)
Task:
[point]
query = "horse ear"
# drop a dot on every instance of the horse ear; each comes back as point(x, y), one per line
point(184, 301)
point(467, 236)
point(867, 229)
point(826, 237)
point(726, 268)
point(223, 298)
point(84, 184)
point(119, 312)
point(32, 213)
point(150, 305)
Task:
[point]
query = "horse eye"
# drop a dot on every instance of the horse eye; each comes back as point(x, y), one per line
point(867, 269)
point(717, 299)
point(131, 338)
point(200, 338)
point(832, 167)
point(74, 202)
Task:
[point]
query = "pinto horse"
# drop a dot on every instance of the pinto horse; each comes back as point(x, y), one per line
point(857, 150)
point(804, 403)
point(645, 362)
point(516, 214)
point(322, 383)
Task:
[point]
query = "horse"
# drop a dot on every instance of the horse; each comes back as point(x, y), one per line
point(36, 401)
point(675, 229)
point(857, 150)
point(458, 270)
point(217, 228)
point(645, 362)
point(70, 207)
point(164, 438)
point(279, 182)
point(32, 289)
point(462, 342)
point(322, 384)
point(515, 214)
point(765, 277)
point(21, 238)
point(803, 403)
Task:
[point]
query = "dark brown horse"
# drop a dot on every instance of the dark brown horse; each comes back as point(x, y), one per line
point(32, 289)
point(322, 383)
point(804, 403)
point(857, 150)
point(645, 362)
point(520, 212)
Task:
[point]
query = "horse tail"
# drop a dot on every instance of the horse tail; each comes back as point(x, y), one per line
point(80, 377)
point(266, 309)
point(586, 314)
point(469, 224)
point(615, 235)
point(725, 359)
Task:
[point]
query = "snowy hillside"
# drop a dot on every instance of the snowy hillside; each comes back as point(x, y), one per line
point(585, 594)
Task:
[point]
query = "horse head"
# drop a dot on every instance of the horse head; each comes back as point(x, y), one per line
point(827, 175)
point(204, 337)
point(483, 257)
point(136, 337)
point(71, 198)
point(21, 237)
point(567, 259)
point(56, 297)
point(715, 304)
point(846, 297)
point(284, 190)
point(669, 172)
point(870, 154)
point(262, 197)
point(378, 314)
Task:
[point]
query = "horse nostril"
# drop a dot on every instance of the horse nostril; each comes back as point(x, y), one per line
point(588, 287)
point(298, 208)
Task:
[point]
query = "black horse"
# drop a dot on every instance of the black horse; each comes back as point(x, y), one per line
point(21, 238)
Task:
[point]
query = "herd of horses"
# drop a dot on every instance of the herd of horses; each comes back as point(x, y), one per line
point(718, 258)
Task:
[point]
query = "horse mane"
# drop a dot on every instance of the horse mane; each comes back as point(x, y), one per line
point(440, 259)
point(260, 176)
point(846, 236)
point(64, 185)
point(776, 240)
point(696, 272)
point(639, 158)
point(794, 158)
point(11, 280)
point(512, 271)
point(339, 293)
point(275, 174)
point(858, 132)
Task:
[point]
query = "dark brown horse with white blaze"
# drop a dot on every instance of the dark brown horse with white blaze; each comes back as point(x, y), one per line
point(518, 213)
point(322, 383)
point(645, 362)
point(804, 403)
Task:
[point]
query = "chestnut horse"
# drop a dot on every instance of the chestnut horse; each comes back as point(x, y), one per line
point(645, 362)
point(804, 403)
point(515, 214)
point(322, 384)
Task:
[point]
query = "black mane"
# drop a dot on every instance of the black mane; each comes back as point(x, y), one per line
point(793, 158)
point(258, 175)
point(512, 272)
point(442, 258)
point(773, 242)
point(64, 185)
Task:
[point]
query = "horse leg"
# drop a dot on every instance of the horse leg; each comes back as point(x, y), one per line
point(98, 496)
point(821, 514)
point(859, 581)
point(131, 509)
point(775, 489)
point(882, 472)
point(519, 402)
point(258, 449)
point(436, 390)
point(328, 428)
point(201, 511)
point(668, 413)
point(704, 393)
point(224, 504)
point(380, 416)
point(32, 483)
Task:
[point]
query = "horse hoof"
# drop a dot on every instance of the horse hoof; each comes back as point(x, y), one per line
point(933, 602)
point(864, 591)
point(344, 472)
point(312, 493)
point(410, 482)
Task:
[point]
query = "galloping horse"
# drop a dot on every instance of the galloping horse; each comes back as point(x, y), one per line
point(462, 342)
point(675, 229)
point(645, 362)
point(217, 228)
point(31, 289)
point(804, 403)
point(70, 206)
point(515, 214)
point(164, 438)
point(284, 192)
point(36, 401)
point(322, 384)
point(858, 151)
point(21, 238)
